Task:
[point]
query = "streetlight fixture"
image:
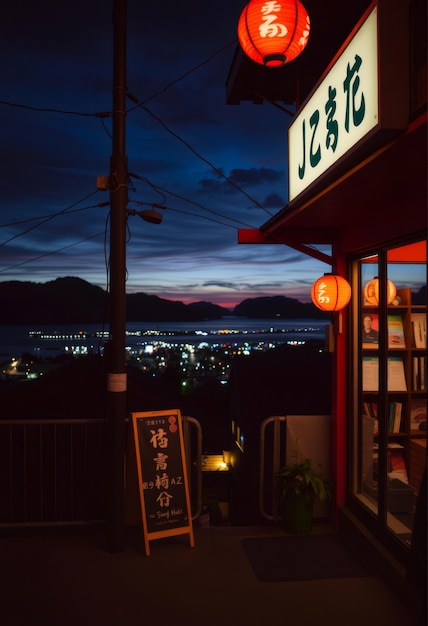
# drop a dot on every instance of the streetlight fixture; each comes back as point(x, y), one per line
point(148, 215)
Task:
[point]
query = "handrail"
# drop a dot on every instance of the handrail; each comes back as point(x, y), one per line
point(276, 420)
point(187, 422)
point(52, 471)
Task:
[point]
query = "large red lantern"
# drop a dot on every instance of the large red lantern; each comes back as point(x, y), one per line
point(273, 33)
point(331, 292)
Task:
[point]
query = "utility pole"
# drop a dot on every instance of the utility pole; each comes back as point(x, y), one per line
point(116, 373)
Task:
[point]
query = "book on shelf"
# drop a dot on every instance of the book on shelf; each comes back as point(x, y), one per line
point(366, 409)
point(395, 411)
point(419, 376)
point(370, 412)
point(419, 326)
point(396, 337)
point(396, 464)
point(415, 373)
point(375, 426)
point(396, 375)
point(391, 417)
point(370, 373)
point(418, 415)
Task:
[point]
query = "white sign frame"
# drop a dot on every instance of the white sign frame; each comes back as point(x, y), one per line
point(345, 108)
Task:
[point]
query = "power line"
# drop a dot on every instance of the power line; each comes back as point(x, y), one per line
point(47, 219)
point(204, 217)
point(102, 116)
point(106, 230)
point(46, 110)
point(106, 114)
point(65, 212)
point(41, 256)
point(216, 169)
point(173, 82)
point(139, 104)
point(176, 195)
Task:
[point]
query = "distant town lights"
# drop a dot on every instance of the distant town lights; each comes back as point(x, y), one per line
point(331, 292)
point(273, 33)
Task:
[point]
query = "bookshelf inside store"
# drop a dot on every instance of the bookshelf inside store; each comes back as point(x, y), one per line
point(404, 404)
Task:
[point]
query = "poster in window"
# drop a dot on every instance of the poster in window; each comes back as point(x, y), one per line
point(370, 330)
point(396, 337)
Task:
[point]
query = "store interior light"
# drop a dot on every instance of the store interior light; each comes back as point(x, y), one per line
point(371, 292)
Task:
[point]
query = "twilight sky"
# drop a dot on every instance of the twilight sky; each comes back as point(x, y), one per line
point(215, 167)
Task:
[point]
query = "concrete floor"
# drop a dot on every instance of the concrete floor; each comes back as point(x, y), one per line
point(72, 579)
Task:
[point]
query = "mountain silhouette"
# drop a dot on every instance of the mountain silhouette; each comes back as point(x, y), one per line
point(71, 300)
point(277, 307)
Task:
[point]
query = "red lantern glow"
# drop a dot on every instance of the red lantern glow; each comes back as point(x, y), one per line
point(331, 293)
point(371, 292)
point(273, 33)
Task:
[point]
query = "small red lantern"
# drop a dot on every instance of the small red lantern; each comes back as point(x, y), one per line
point(273, 33)
point(331, 292)
point(371, 292)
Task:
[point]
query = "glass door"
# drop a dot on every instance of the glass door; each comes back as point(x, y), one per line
point(389, 386)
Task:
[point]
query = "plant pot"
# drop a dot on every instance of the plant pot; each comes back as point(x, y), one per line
point(298, 512)
point(204, 520)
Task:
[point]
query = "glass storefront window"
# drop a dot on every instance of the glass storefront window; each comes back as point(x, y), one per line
point(389, 386)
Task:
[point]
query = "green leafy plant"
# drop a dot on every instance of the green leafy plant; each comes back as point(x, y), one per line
point(210, 505)
point(300, 477)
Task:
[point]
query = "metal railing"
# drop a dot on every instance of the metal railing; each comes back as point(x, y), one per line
point(272, 439)
point(54, 472)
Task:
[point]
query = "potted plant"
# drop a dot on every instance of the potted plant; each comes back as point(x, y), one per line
point(298, 485)
point(210, 512)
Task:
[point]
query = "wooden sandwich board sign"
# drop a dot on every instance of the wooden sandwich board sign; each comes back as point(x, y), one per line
point(162, 475)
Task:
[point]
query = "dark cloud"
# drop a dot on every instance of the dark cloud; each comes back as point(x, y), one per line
point(255, 176)
point(274, 201)
point(240, 179)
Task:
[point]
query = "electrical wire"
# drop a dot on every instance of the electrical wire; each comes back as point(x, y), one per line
point(204, 217)
point(47, 219)
point(216, 169)
point(64, 212)
point(177, 80)
point(45, 110)
point(41, 256)
point(139, 104)
point(104, 232)
point(176, 195)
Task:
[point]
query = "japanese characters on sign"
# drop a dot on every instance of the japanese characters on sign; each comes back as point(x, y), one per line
point(321, 293)
point(341, 111)
point(163, 478)
point(270, 27)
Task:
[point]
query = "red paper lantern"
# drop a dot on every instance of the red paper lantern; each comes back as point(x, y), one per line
point(273, 33)
point(371, 292)
point(331, 292)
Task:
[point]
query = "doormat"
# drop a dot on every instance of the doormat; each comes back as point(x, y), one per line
point(308, 557)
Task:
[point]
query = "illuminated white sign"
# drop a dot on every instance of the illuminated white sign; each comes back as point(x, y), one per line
point(343, 109)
